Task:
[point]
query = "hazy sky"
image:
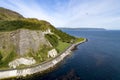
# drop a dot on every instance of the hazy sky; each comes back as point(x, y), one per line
point(70, 13)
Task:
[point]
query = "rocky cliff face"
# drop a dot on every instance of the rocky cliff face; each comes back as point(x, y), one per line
point(22, 41)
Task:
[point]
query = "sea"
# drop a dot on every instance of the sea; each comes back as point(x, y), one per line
point(96, 59)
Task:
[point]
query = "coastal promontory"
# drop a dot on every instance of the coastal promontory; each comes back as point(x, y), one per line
point(27, 42)
point(28, 38)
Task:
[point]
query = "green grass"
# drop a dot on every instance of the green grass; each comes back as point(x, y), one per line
point(41, 54)
point(52, 39)
point(79, 40)
point(4, 62)
point(64, 37)
point(28, 23)
point(34, 24)
point(6, 14)
point(1, 56)
point(62, 46)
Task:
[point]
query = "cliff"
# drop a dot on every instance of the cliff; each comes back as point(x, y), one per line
point(29, 45)
point(22, 41)
point(26, 38)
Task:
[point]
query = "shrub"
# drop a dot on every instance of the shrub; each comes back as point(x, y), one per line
point(52, 39)
point(0, 56)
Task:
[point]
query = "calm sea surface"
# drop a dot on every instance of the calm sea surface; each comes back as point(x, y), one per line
point(97, 59)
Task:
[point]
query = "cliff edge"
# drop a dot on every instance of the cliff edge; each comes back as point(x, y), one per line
point(28, 39)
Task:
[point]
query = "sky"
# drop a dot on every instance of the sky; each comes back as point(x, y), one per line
point(70, 13)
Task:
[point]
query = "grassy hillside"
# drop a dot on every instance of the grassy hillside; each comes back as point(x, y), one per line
point(11, 20)
point(33, 24)
point(6, 14)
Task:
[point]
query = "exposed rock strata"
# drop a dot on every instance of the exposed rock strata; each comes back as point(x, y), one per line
point(52, 53)
point(20, 61)
point(22, 41)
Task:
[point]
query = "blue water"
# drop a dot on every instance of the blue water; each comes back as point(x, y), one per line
point(97, 59)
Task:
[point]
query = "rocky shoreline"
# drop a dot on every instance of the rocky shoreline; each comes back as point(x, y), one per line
point(38, 68)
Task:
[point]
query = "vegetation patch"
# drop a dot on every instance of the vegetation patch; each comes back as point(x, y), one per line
point(58, 44)
point(5, 61)
point(64, 37)
point(1, 56)
point(41, 55)
point(79, 40)
point(52, 39)
point(32, 24)
point(6, 14)
point(62, 46)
